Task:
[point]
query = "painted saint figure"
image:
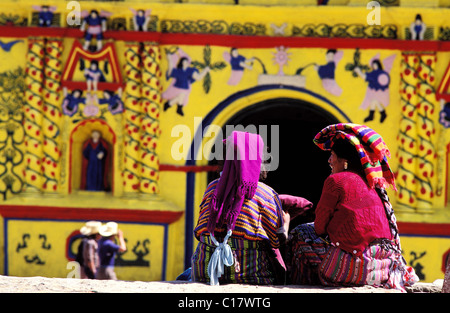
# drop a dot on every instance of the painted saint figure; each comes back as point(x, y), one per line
point(95, 163)
point(183, 75)
point(71, 101)
point(141, 18)
point(238, 64)
point(377, 94)
point(327, 72)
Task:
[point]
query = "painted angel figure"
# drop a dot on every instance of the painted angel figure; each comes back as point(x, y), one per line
point(327, 72)
point(94, 24)
point(377, 94)
point(182, 75)
point(238, 64)
point(45, 14)
point(141, 18)
point(114, 101)
point(72, 101)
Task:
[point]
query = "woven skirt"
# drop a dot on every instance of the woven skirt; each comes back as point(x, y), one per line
point(312, 260)
point(254, 263)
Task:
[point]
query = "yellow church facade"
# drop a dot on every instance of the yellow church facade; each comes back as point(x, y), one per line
point(160, 82)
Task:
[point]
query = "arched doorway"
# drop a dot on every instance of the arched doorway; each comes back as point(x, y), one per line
point(302, 165)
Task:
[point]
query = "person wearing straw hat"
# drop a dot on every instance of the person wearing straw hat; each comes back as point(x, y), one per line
point(108, 250)
point(89, 249)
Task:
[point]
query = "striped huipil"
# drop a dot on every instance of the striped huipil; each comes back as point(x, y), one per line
point(252, 242)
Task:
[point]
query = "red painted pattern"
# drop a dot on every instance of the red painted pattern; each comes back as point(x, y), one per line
point(84, 214)
point(238, 41)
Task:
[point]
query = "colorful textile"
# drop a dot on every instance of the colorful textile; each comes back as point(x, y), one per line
point(294, 205)
point(239, 179)
point(252, 262)
point(254, 241)
point(313, 260)
point(404, 275)
point(305, 253)
point(259, 219)
point(373, 152)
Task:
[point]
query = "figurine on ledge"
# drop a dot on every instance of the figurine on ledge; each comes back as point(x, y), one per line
point(45, 14)
point(141, 18)
point(94, 24)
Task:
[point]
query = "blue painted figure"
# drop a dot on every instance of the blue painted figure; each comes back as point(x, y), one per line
point(141, 18)
point(327, 72)
point(238, 64)
point(94, 24)
point(93, 75)
point(183, 75)
point(71, 102)
point(378, 80)
point(417, 28)
point(95, 163)
point(114, 101)
point(45, 15)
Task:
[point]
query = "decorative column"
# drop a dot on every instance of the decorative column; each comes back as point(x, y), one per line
point(416, 175)
point(33, 116)
point(51, 124)
point(142, 109)
point(150, 130)
point(132, 117)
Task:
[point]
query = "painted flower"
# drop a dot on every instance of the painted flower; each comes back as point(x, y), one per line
point(90, 110)
point(281, 58)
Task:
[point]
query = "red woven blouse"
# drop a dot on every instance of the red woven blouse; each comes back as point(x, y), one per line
point(351, 213)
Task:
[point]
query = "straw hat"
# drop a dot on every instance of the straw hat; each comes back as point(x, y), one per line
point(109, 229)
point(90, 228)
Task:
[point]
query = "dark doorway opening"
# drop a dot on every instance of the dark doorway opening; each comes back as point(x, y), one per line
point(303, 167)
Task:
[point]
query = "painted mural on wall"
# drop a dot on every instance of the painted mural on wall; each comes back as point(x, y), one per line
point(327, 71)
point(238, 64)
point(377, 95)
point(92, 83)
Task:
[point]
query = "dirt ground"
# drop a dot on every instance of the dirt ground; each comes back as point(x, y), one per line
point(12, 284)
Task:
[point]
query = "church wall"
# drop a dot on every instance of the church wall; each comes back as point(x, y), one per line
point(154, 191)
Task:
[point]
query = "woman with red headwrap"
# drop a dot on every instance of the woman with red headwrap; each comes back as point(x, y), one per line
point(354, 239)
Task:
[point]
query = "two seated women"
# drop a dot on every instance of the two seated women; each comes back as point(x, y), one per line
point(243, 225)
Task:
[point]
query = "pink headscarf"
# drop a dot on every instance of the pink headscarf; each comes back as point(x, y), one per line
point(239, 179)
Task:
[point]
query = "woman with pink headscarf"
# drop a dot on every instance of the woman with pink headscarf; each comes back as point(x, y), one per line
point(240, 222)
